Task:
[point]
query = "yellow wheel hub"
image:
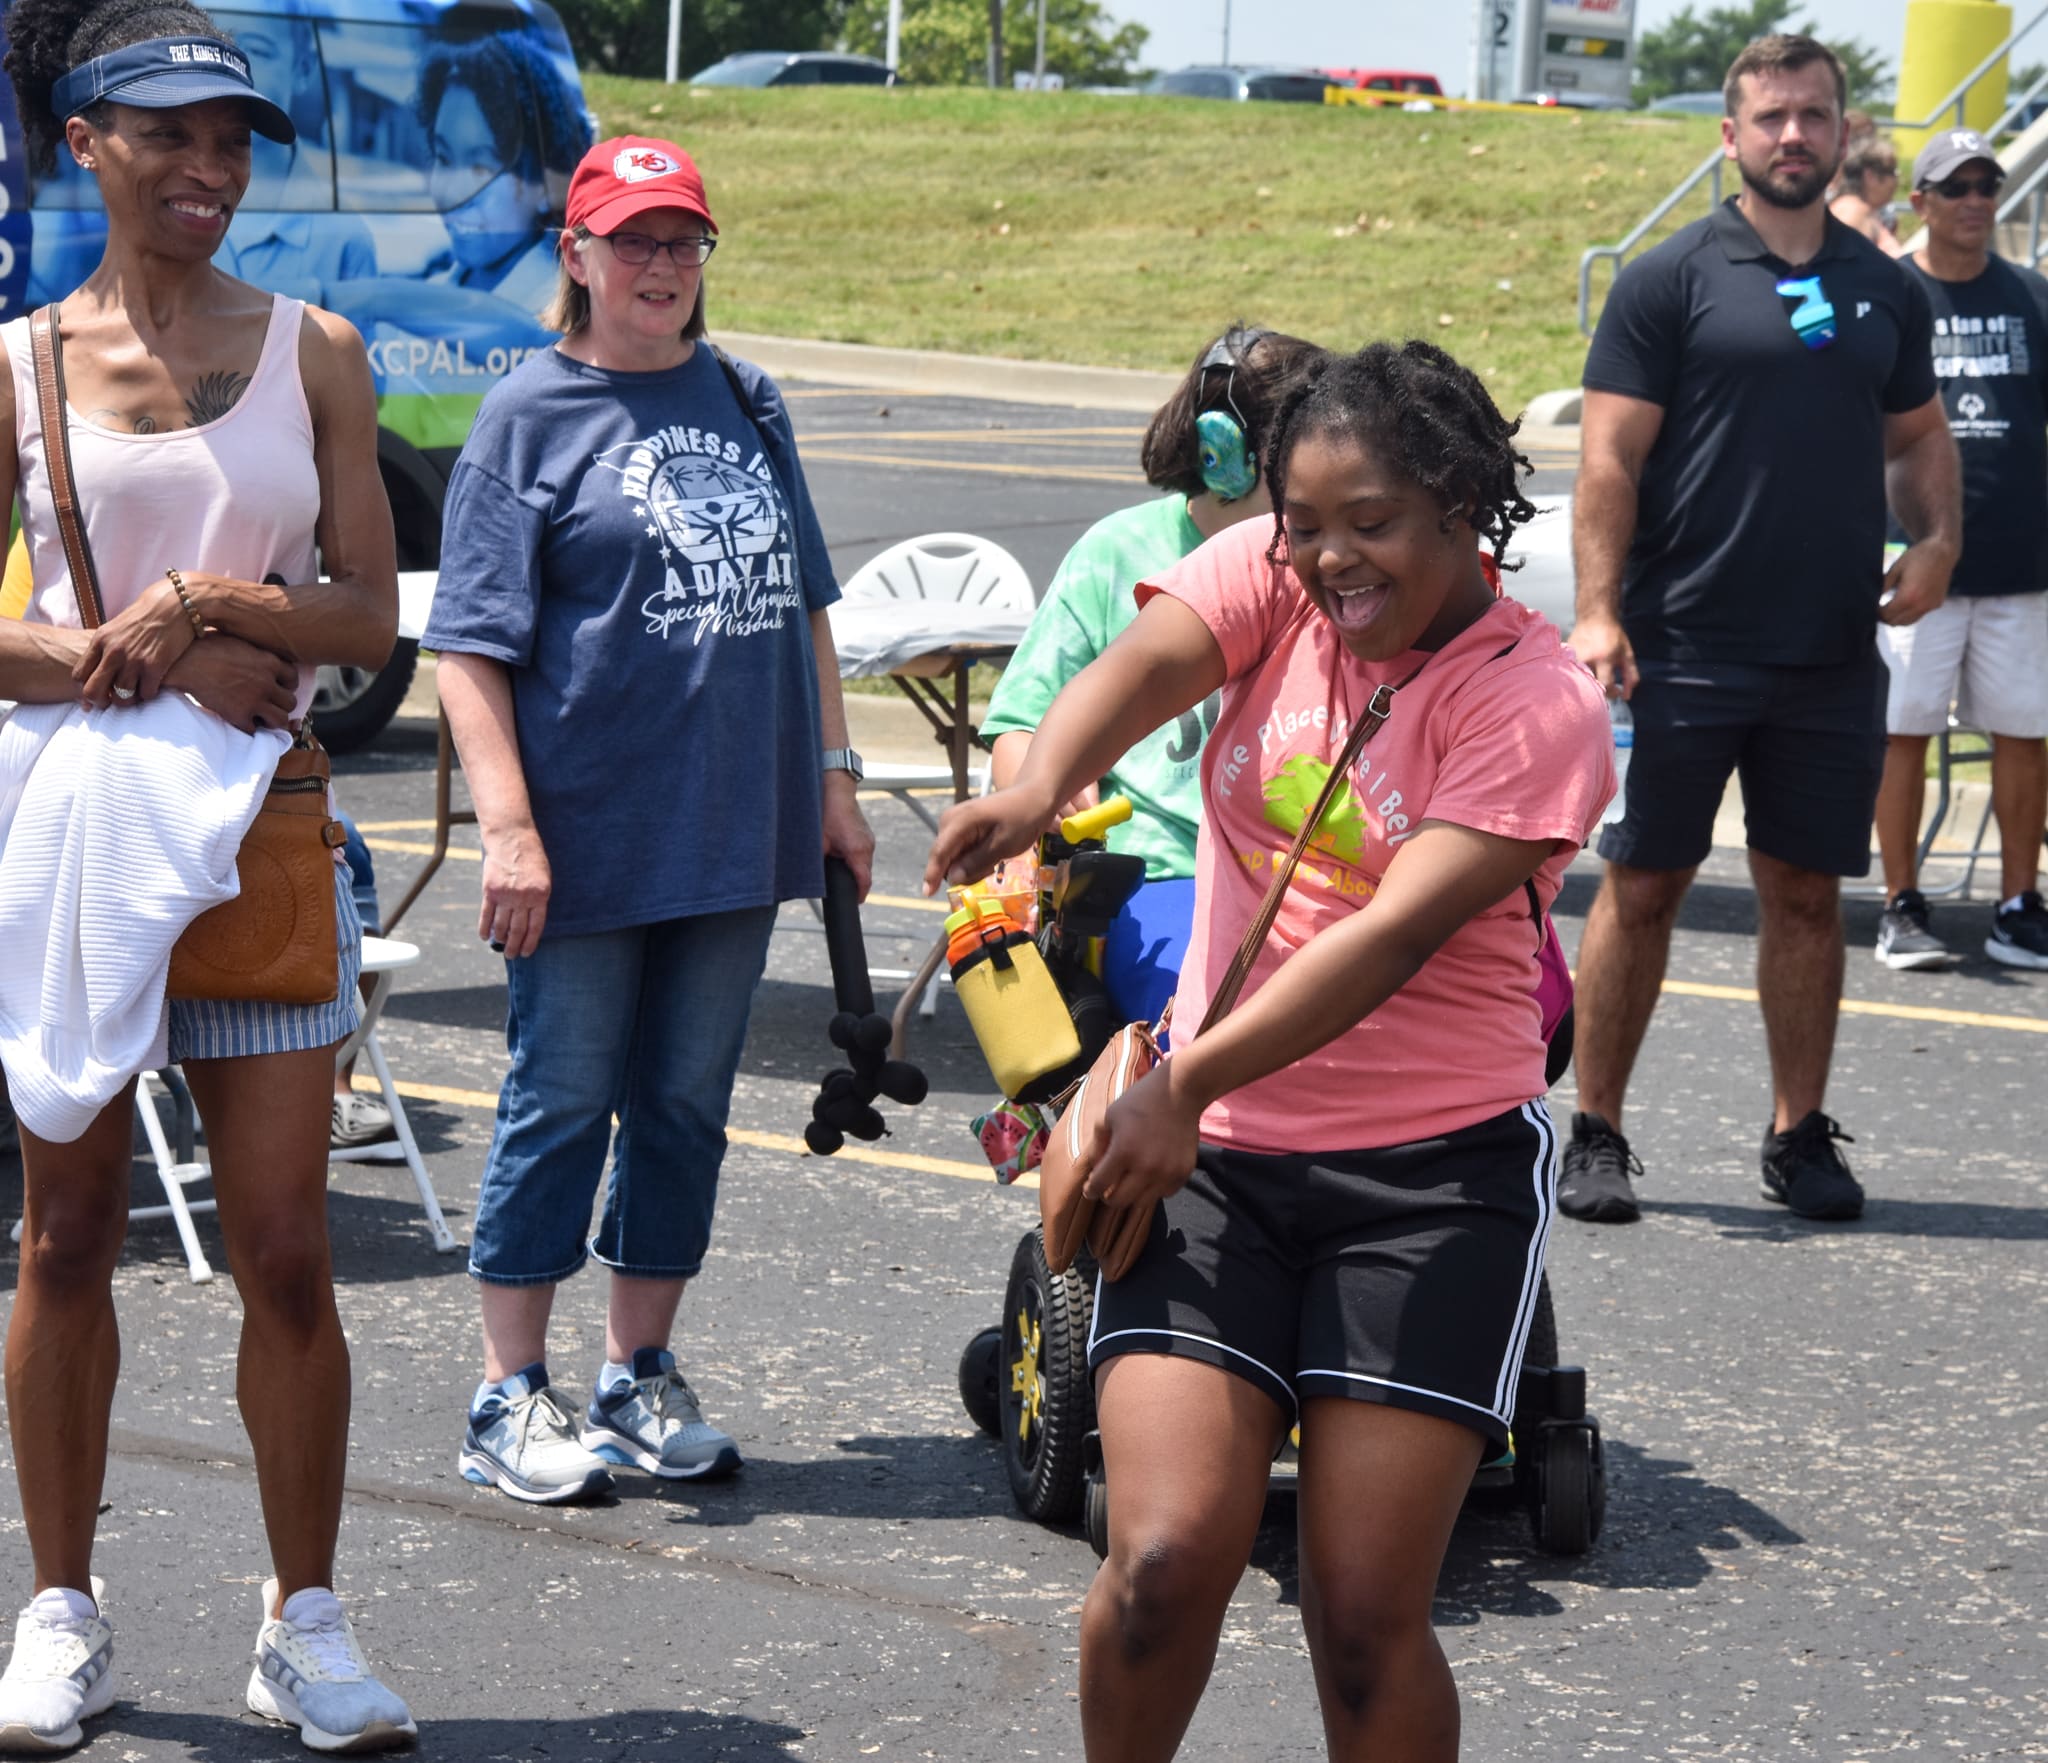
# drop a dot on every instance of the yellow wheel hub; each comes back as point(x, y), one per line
point(1025, 1382)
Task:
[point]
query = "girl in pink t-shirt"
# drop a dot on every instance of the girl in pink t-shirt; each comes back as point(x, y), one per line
point(1355, 1167)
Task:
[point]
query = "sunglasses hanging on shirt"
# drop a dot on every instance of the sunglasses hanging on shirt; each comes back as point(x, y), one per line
point(1813, 319)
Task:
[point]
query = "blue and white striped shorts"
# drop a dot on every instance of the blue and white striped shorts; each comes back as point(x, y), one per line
point(239, 1029)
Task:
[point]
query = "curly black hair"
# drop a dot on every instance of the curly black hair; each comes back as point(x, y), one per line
point(48, 38)
point(536, 121)
point(1430, 415)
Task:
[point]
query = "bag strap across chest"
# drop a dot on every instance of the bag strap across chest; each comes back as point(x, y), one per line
point(46, 342)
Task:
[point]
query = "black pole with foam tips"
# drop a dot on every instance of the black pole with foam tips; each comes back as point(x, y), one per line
point(846, 1096)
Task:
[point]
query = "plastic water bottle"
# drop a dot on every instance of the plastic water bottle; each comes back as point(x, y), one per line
point(1624, 726)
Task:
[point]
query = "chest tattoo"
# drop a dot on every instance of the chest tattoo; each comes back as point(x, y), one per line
point(210, 399)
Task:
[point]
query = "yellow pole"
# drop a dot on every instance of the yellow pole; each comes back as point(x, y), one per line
point(1945, 40)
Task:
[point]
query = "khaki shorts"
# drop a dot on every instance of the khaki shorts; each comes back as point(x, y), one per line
point(1984, 654)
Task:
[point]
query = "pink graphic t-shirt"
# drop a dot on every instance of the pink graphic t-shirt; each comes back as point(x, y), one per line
point(1513, 743)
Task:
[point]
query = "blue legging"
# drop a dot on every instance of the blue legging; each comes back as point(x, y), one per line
point(1147, 942)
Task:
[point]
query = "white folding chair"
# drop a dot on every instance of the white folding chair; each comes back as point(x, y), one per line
point(938, 566)
point(935, 566)
point(383, 957)
point(179, 1163)
point(174, 1168)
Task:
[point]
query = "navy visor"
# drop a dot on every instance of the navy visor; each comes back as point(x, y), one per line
point(167, 72)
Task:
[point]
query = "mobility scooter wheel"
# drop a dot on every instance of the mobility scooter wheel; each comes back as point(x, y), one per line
point(1045, 1398)
point(1571, 1489)
point(1095, 1514)
point(980, 1362)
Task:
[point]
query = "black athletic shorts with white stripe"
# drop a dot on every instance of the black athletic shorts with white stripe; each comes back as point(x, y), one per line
point(1405, 1275)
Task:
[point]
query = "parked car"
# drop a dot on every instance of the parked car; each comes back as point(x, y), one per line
point(1690, 104)
point(414, 203)
point(1575, 101)
point(1395, 81)
point(803, 67)
point(1287, 85)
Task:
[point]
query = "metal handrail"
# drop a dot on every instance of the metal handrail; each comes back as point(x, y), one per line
point(1708, 168)
point(1956, 101)
point(2028, 193)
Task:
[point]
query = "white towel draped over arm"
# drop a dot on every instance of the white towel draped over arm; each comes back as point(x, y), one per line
point(118, 827)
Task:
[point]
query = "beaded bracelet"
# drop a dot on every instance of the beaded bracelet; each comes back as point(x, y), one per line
point(177, 582)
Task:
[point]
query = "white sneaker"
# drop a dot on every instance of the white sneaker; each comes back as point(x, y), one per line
point(524, 1444)
point(654, 1423)
point(61, 1672)
point(311, 1674)
point(359, 1119)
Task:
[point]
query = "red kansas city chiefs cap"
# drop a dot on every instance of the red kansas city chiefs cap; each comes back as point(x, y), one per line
point(630, 174)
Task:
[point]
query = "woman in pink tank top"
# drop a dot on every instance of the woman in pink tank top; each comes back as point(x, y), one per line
point(219, 436)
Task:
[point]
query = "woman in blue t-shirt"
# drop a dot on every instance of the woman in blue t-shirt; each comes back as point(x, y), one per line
point(637, 667)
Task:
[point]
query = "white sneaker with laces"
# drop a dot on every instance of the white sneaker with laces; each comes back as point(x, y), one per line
point(61, 1672)
point(310, 1673)
point(522, 1441)
point(654, 1423)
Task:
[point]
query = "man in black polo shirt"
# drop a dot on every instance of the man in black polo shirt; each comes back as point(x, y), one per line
point(1986, 646)
point(1757, 383)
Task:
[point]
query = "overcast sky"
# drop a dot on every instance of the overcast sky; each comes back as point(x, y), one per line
point(1435, 37)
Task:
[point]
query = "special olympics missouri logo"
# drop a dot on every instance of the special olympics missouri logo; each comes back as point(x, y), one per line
point(712, 512)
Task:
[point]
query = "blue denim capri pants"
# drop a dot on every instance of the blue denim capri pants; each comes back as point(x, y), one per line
point(645, 1023)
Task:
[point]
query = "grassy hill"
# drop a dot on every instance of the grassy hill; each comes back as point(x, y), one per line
point(1119, 231)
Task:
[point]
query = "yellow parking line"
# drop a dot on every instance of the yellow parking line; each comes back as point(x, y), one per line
point(759, 1141)
point(912, 902)
point(1099, 477)
point(1677, 988)
point(964, 1171)
point(405, 848)
point(2025, 1025)
point(989, 436)
point(908, 902)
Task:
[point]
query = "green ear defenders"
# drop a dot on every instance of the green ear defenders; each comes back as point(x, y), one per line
point(1229, 467)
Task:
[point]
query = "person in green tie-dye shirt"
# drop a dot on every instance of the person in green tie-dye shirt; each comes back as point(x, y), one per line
point(1242, 377)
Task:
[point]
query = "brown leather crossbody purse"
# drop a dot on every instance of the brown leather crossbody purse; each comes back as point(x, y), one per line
point(274, 942)
point(1116, 1233)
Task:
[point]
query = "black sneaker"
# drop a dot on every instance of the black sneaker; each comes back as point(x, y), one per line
point(1904, 941)
point(1597, 1164)
point(1803, 1170)
point(2019, 934)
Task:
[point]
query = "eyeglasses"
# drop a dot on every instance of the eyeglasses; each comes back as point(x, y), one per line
point(1955, 189)
point(637, 249)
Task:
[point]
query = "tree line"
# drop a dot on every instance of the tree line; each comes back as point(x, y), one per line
point(1691, 51)
point(942, 42)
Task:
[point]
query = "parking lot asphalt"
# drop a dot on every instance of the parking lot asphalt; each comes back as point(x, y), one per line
point(1826, 1445)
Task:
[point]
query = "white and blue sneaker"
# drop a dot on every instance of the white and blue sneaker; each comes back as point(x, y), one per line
point(61, 1672)
point(522, 1441)
point(310, 1673)
point(654, 1423)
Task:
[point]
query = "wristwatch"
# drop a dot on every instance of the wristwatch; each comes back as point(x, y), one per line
point(845, 759)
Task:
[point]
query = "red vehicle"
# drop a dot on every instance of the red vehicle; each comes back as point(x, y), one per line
point(1393, 81)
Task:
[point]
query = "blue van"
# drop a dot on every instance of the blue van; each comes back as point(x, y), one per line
point(421, 201)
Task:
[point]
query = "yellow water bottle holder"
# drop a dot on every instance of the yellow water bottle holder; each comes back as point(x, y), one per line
point(1013, 1004)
